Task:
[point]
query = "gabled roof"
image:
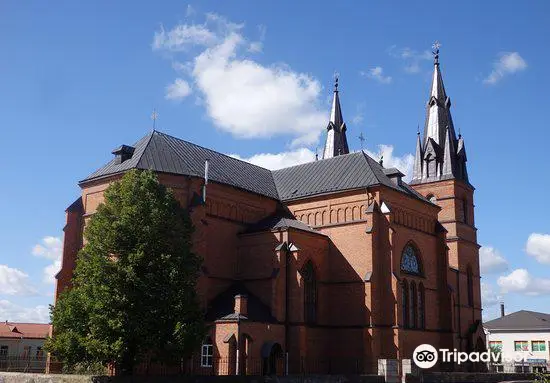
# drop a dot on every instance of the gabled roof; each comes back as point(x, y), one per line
point(166, 154)
point(520, 320)
point(24, 330)
point(163, 153)
point(280, 221)
point(222, 306)
point(346, 172)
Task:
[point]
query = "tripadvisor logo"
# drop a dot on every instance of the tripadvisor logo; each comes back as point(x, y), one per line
point(426, 356)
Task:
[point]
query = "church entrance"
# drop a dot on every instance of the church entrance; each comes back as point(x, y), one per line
point(272, 359)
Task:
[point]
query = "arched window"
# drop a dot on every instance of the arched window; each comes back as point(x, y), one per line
point(207, 353)
point(310, 293)
point(410, 261)
point(470, 284)
point(405, 302)
point(421, 307)
point(413, 306)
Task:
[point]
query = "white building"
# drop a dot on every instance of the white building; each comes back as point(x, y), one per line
point(523, 338)
point(21, 346)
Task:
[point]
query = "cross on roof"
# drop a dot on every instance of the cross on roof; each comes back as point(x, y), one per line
point(154, 117)
point(362, 139)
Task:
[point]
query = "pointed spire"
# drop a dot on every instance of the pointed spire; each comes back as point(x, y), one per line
point(336, 143)
point(437, 154)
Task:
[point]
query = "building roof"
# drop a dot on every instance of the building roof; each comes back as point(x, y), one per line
point(281, 221)
point(164, 153)
point(520, 320)
point(346, 172)
point(222, 307)
point(24, 330)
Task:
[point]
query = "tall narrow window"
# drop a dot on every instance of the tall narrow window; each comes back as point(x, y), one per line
point(421, 307)
point(470, 285)
point(207, 353)
point(3, 352)
point(465, 210)
point(413, 306)
point(310, 293)
point(405, 303)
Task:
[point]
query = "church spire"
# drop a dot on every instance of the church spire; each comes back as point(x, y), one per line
point(439, 140)
point(336, 143)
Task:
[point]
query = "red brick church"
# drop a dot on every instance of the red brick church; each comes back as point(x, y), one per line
point(329, 265)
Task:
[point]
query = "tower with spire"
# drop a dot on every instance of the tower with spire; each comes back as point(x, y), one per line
point(440, 175)
point(336, 143)
point(439, 154)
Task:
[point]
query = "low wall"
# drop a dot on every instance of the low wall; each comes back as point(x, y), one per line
point(14, 377)
point(469, 377)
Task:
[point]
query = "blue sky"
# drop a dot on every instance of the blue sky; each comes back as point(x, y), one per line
point(254, 79)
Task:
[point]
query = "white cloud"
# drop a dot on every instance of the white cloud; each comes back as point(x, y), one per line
point(404, 163)
point(51, 249)
point(275, 161)
point(538, 246)
point(411, 58)
point(178, 90)
point(14, 282)
point(508, 63)
point(190, 11)
point(242, 96)
point(377, 73)
point(491, 260)
point(520, 281)
point(15, 313)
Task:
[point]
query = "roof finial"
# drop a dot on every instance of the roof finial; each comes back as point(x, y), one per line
point(381, 162)
point(362, 139)
point(154, 117)
point(435, 51)
point(418, 129)
point(336, 76)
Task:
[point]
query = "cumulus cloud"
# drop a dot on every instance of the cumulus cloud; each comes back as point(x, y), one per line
point(491, 260)
point(538, 246)
point(242, 96)
point(15, 282)
point(12, 312)
point(178, 90)
point(51, 249)
point(410, 57)
point(520, 281)
point(507, 63)
point(403, 163)
point(377, 74)
point(275, 161)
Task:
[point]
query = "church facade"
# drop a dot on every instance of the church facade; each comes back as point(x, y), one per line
point(322, 267)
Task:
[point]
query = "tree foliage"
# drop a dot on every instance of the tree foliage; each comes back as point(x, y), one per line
point(134, 286)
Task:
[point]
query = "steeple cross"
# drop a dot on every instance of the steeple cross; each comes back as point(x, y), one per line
point(154, 117)
point(435, 51)
point(336, 76)
point(362, 139)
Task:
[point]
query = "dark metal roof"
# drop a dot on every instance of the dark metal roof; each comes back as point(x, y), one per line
point(520, 320)
point(163, 153)
point(222, 306)
point(346, 172)
point(280, 221)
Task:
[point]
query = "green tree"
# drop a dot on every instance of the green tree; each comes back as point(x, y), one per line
point(134, 287)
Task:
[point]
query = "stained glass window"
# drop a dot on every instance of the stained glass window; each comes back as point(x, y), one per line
point(409, 261)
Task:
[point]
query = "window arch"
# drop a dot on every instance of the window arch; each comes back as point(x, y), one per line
point(410, 260)
point(405, 302)
point(421, 306)
point(310, 293)
point(470, 285)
